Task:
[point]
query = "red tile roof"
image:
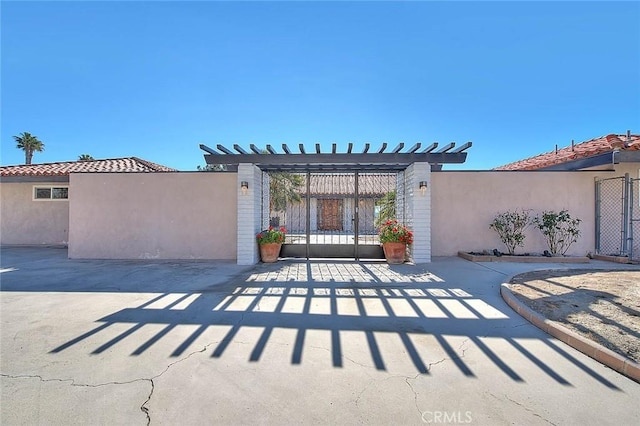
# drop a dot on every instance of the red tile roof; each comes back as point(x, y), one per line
point(579, 151)
point(129, 164)
point(344, 184)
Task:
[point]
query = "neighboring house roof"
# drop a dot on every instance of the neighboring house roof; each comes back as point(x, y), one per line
point(128, 164)
point(337, 185)
point(572, 155)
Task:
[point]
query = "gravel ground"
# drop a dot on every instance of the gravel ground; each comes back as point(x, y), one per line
point(601, 305)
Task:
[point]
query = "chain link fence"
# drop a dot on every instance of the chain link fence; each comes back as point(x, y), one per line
point(618, 217)
point(634, 214)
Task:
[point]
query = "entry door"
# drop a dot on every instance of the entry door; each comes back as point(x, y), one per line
point(330, 214)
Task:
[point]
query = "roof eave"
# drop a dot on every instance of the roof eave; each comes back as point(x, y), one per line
point(584, 163)
point(34, 179)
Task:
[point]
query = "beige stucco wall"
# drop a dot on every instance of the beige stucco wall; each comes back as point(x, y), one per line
point(153, 216)
point(24, 221)
point(632, 168)
point(464, 203)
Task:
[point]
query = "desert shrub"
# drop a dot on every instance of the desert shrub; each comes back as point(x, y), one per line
point(510, 226)
point(560, 230)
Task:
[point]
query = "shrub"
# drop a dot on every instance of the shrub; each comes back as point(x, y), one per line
point(559, 229)
point(510, 227)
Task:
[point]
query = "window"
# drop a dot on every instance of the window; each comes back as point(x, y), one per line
point(50, 192)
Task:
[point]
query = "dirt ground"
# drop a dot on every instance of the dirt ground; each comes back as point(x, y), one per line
point(601, 305)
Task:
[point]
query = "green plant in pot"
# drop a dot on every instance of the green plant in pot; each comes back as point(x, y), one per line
point(270, 242)
point(394, 238)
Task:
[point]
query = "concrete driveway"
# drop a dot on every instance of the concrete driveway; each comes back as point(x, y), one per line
point(117, 342)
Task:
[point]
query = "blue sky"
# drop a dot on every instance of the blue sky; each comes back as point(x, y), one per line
point(155, 79)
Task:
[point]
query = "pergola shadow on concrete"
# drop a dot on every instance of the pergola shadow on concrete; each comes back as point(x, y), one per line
point(415, 163)
point(360, 310)
point(320, 341)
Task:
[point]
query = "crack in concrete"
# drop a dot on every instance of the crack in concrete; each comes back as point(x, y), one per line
point(73, 382)
point(344, 357)
point(357, 400)
point(436, 363)
point(522, 406)
point(491, 269)
point(460, 348)
point(144, 408)
point(415, 394)
point(529, 410)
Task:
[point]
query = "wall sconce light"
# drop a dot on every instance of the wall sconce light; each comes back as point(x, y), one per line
point(244, 187)
point(423, 187)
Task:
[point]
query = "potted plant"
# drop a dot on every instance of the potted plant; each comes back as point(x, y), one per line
point(270, 241)
point(394, 238)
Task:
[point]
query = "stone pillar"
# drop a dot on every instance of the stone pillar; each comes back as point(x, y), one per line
point(249, 214)
point(418, 210)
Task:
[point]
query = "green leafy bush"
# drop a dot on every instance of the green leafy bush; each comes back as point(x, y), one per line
point(510, 226)
point(559, 229)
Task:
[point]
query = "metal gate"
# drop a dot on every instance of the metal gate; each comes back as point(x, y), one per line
point(332, 215)
point(618, 217)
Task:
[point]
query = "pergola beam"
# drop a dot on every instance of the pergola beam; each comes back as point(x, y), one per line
point(430, 148)
point(239, 149)
point(223, 149)
point(398, 148)
point(462, 147)
point(326, 158)
point(446, 148)
point(209, 150)
point(414, 148)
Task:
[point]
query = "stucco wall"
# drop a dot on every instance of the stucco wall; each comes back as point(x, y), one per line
point(632, 168)
point(464, 203)
point(24, 221)
point(153, 216)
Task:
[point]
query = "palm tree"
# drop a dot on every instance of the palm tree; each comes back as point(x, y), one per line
point(212, 168)
point(284, 189)
point(85, 157)
point(29, 143)
point(386, 208)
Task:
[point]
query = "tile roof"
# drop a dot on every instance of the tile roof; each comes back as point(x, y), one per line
point(128, 164)
point(369, 184)
point(579, 151)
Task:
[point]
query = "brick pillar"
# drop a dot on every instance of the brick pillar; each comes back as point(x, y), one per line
point(249, 214)
point(418, 210)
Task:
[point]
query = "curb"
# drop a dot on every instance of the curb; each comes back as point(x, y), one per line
point(588, 347)
point(522, 259)
point(614, 259)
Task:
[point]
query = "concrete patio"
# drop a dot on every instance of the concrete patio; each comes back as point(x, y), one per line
point(296, 342)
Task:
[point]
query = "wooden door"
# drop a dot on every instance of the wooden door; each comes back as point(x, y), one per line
point(330, 214)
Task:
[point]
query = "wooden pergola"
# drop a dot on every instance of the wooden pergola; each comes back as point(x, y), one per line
point(398, 158)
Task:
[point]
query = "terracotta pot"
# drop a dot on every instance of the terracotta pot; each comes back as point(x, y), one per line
point(269, 252)
point(394, 252)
